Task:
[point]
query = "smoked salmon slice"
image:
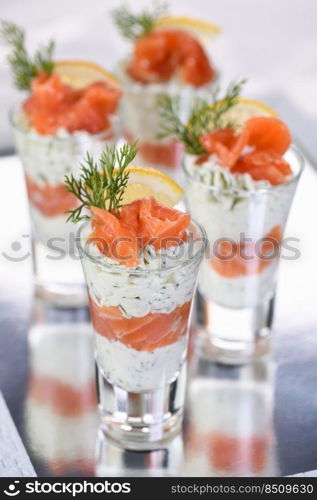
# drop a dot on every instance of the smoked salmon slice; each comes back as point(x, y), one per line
point(169, 155)
point(50, 200)
point(225, 144)
point(257, 150)
point(158, 153)
point(53, 105)
point(268, 134)
point(233, 260)
point(143, 222)
point(144, 334)
point(162, 226)
point(113, 238)
point(264, 165)
point(160, 54)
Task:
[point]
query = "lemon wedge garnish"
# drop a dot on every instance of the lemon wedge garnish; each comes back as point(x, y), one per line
point(245, 109)
point(79, 74)
point(202, 30)
point(144, 181)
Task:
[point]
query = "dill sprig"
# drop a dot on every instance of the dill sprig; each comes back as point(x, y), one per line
point(134, 26)
point(204, 116)
point(24, 67)
point(101, 184)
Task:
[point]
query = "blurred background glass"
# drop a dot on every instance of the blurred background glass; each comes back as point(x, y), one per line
point(271, 43)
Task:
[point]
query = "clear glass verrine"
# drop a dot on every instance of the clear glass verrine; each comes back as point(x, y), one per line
point(140, 319)
point(46, 159)
point(237, 283)
point(141, 119)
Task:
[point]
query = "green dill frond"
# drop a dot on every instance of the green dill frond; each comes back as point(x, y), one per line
point(204, 117)
point(24, 68)
point(134, 26)
point(228, 101)
point(101, 184)
point(172, 126)
point(43, 58)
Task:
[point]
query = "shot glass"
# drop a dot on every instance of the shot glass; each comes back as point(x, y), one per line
point(46, 160)
point(238, 280)
point(140, 320)
point(140, 116)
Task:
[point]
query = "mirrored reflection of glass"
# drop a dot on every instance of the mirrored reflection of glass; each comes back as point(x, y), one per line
point(229, 424)
point(113, 460)
point(61, 408)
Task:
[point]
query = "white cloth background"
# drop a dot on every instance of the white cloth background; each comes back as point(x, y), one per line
point(271, 42)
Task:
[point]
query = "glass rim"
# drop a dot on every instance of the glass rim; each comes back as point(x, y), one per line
point(17, 106)
point(249, 193)
point(142, 272)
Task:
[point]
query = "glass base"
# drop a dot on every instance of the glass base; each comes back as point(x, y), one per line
point(141, 421)
point(234, 336)
point(59, 281)
point(113, 460)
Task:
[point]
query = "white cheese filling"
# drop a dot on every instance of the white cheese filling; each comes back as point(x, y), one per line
point(48, 158)
point(54, 232)
point(137, 295)
point(235, 207)
point(140, 371)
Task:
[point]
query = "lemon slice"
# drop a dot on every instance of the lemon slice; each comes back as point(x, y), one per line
point(79, 74)
point(245, 109)
point(203, 30)
point(145, 181)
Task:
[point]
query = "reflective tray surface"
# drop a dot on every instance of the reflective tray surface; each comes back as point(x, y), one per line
point(259, 419)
